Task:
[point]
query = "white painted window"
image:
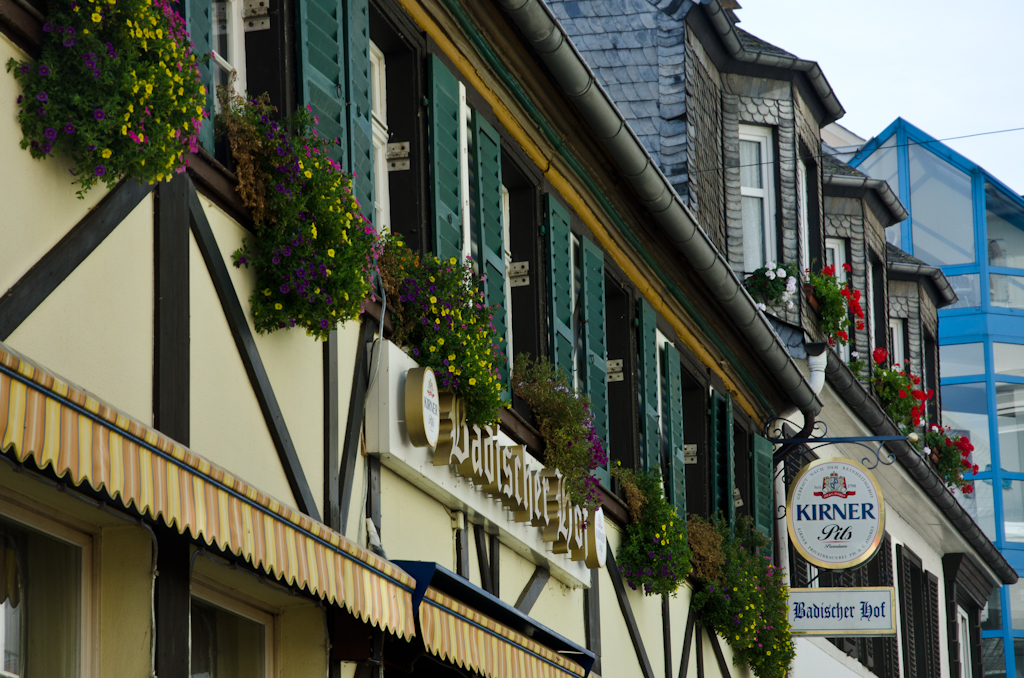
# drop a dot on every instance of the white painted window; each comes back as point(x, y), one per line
point(896, 339)
point(46, 597)
point(662, 341)
point(871, 305)
point(579, 352)
point(379, 113)
point(465, 115)
point(805, 228)
point(507, 253)
point(228, 45)
point(835, 256)
point(230, 638)
point(758, 196)
point(963, 623)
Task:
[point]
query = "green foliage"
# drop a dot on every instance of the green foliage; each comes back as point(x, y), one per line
point(654, 555)
point(897, 392)
point(442, 320)
point(116, 89)
point(774, 284)
point(747, 603)
point(952, 456)
point(313, 252)
point(567, 424)
point(836, 302)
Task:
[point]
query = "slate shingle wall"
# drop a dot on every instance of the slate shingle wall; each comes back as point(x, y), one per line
point(704, 131)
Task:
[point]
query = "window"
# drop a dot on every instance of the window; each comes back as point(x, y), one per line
point(968, 290)
point(579, 365)
point(963, 626)
point(805, 231)
point(1010, 412)
point(871, 305)
point(919, 616)
point(963, 360)
point(897, 339)
point(879, 328)
point(1004, 219)
point(758, 196)
point(379, 111)
point(835, 256)
point(228, 45)
point(1009, 359)
point(229, 638)
point(941, 208)
point(43, 608)
point(965, 410)
point(883, 164)
point(1007, 290)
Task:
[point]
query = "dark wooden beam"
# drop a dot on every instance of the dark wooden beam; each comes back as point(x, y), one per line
point(684, 661)
point(172, 603)
point(723, 665)
point(171, 374)
point(251, 359)
point(531, 592)
point(48, 273)
point(700, 651)
point(592, 619)
point(482, 560)
point(22, 25)
point(354, 424)
point(495, 564)
point(373, 511)
point(462, 552)
point(666, 634)
point(220, 185)
point(332, 509)
point(627, 614)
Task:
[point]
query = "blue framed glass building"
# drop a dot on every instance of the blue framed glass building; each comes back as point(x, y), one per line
point(966, 221)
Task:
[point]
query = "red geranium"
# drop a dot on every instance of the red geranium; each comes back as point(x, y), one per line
point(880, 355)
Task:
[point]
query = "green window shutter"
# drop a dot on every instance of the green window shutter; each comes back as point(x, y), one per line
point(764, 484)
point(560, 283)
point(721, 457)
point(199, 17)
point(323, 70)
point(594, 339)
point(445, 159)
point(360, 125)
point(486, 155)
point(675, 486)
point(650, 431)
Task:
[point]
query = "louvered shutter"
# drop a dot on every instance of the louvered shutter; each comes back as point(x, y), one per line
point(199, 17)
point(932, 602)
point(890, 658)
point(907, 613)
point(445, 160)
point(486, 156)
point(360, 125)
point(560, 284)
point(647, 347)
point(764, 485)
point(675, 486)
point(321, 23)
point(721, 458)
point(595, 341)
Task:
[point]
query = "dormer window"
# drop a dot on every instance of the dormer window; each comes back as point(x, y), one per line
point(758, 196)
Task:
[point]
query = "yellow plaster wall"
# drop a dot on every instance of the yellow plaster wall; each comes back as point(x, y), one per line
point(227, 426)
point(618, 659)
point(304, 645)
point(515, 573)
point(414, 526)
point(39, 202)
point(126, 568)
point(294, 362)
point(678, 608)
point(96, 328)
point(561, 608)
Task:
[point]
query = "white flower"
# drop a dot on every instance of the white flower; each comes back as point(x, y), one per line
point(935, 427)
point(791, 285)
point(927, 450)
point(770, 274)
point(781, 272)
point(789, 305)
point(760, 306)
point(854, 355)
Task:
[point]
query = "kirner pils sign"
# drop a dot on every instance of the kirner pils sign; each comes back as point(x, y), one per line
point(835, 514)
point(534, 494)
point(842, 612)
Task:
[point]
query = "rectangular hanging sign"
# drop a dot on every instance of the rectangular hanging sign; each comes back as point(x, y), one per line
point(867, 611)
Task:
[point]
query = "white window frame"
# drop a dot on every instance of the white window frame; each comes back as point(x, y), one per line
point(837, 248)
point(205, 590)
point(662, 341)
point(897, 333)
point(464, 118)
point(234, 60)
point(963, 626)
point(804, 215)
point(88, 658)
point(575, 264)
point(506, 218)
point(871, 304)
point(764, 138)
point(379, 115)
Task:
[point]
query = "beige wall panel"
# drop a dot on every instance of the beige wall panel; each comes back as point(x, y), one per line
point(303, 649)
point(356, 529)
point(348, 340)
point(413, 525)
point(711, 669)
point(126, 582)
point(39, 200)
point(515, 574)
point(618, 659)
point(96, 328)
point(561, 608)
point(227, 425)
point(474, 562)
point(294, 361)
point(678, 608)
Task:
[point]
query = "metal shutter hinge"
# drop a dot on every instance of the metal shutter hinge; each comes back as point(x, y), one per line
point(737, 498)
point(615, 370)
point(690, 453)
point(519, 274)
point(397, 155)
point(256, 14)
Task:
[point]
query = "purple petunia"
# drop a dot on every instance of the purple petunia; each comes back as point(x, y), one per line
point(280, 151)
point(20, 98)
point(100, 170)
point(44, 70)
point(286, 251)
point(324, 324)
point(45, 148)
point(70, 30)
point(69, 128)
point(99, 114)
point(50, 133)
point(42, 96)
point(41, 111)
point(284, 289)
point(69, 42)
point(25, 69)
point(47, 27)
point(276, 260)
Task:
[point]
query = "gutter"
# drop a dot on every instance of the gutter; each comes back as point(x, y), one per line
point(870, 412)
point(882, 188)
point(946, 294)
point(727, 33)
point(549, 41)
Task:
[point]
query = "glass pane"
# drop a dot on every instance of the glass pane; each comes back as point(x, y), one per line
point(1018, 653)
point(750, 164)
point(991, 615)
point(894, 235)
point(940, 204)
point(753, 233)
point(1009, 359)
point(1010, 413)
point(882, 165)
point(1005, 221)
point(962, 360)
point(1017, 605)
point(40, 603)
point(1013, 511)
point(221, 26)
point(965, 410)
point(968, 290)
point(1007, 290)
point(979, 505)
point(224, 644)
point(993, 663)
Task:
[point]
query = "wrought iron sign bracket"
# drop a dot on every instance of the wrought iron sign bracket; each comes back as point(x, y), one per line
point(792, 449)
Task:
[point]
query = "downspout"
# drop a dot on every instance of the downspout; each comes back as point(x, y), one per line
point(551, 44)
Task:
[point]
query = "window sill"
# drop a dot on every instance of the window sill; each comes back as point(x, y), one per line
point(218, 184)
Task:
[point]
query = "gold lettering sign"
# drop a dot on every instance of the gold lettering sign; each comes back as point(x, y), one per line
point(534, 495)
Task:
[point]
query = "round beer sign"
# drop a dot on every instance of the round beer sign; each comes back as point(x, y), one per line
point(422, 407)
point(835, 514)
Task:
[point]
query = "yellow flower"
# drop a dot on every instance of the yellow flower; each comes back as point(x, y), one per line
point(308, 174)
point(451, 356)
point(433, 349)
point(433, 300)
point(440, 340)
point(96, 18)
point(330, 253)
point(86, 31)
point(106, 153)
point(277, 306)
point(472, 381)
point(266, 292)
point(453, 261)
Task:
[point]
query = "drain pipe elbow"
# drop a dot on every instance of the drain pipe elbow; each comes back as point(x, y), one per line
point(817, 360)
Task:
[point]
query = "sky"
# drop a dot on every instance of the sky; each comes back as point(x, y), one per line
point(950, 67)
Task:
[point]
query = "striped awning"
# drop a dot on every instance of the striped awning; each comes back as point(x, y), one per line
point(477, 643)
point(84, 440)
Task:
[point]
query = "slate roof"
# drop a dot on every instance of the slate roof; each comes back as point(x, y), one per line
point(835, 166)
point(752, 43)
point(898, 256)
